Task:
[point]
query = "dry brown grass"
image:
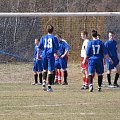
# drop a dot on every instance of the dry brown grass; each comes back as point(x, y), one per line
point(19, 100)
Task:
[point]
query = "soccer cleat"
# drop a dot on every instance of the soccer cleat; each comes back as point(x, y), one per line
point(34, 83)
point(39, 83)
point(83, 86)
point(44, 86)
point(116, 85)
point(49, 89)
point(91, 88)
point(103, 85)
point(99, 89)
point(111, 86)
point(86, 87)
point(65, 83)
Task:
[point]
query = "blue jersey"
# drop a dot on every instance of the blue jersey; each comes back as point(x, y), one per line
point(35, 52)
point(96, 49)
point(63, 46)
point(111, 46)
point(37, 64)
point(48, 44)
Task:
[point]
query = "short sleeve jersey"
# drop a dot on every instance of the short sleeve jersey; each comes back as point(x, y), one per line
point(84, 48)
point(111, 47)
point(48, 44)
point(63, 46)
point(96, 49)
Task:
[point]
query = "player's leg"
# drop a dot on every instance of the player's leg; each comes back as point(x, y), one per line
point(56, 76)
point(35, 69)
point(86, 79)
point(99, 70)
point(57, 67)
point(63, 64)
point(53, 81)
point(51, 68)
point(84, 73)
point(65, 75)
point(83, 78)
point(109, 69)
point(35, 78)
point(40, 78)
point(91, 69)
point(117, 76)
point(40, 69)
point(45, 67)
point(59, 76)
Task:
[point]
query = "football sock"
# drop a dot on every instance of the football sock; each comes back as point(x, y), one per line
point(65, 76)
point(44, 75)
point(90, 79)
point(59, 77)
point(56, 76)
point(50, 78)
point(36, 78)
point(109, 78)
point(116, 78)
point(40, 77)
point(53, 77)
point(84, 80)
point(100, 80)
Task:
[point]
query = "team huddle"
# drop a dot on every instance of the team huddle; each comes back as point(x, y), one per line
point(50, 59)
point(51, 56)
point(95, 54)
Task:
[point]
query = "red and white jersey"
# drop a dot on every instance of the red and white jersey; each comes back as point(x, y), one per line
point(84, 47)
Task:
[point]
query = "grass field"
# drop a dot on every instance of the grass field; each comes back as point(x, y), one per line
point(19, 100)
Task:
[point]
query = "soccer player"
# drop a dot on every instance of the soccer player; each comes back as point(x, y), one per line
point(49, 45)
point(37, 66)
point(84, 67)
point(62, 52)
point(95, 53)
point(111, 46)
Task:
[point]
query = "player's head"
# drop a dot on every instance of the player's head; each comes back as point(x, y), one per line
point(98, 36)
point(59, 37)
point(36, 41)
point(94, 33)
point(110, 35)
point(84, 34)
point(50, 29)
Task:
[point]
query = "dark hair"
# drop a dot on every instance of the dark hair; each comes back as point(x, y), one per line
point(111, 32)
point(85, 33)
point(50, 28)
point(58, 35)
point(99, 35)
point(94, 33)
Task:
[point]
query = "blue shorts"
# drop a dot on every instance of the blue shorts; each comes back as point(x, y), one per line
point(63, 62)
point(57, 63)
point(95, 65)
point(37, 65)
point(115, 63)
point(48, 62)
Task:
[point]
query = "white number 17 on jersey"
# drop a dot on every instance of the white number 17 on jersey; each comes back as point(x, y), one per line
point(96, 49)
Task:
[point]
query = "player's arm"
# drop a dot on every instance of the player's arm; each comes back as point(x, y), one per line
point(84, 60)
point(38, 50)
point(106, 55)
point(88, 50)
point(67, 48)
point(38, 54)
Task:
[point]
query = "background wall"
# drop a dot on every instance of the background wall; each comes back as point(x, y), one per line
point(17, 34)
